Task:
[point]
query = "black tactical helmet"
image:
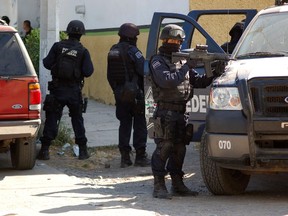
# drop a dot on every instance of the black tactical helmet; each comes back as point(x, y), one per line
point(172, 31)
point(75, 27)
point(129, 30)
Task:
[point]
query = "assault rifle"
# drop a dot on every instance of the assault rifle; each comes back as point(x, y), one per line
point(200, 54)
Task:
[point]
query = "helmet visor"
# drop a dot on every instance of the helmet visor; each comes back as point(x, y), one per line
point(177, 33)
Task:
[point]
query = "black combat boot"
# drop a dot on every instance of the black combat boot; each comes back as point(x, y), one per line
point(125, 158)
point(43, 153)
point(83, 153)
point(179, 188)
point(160, 191)
point(141, 158)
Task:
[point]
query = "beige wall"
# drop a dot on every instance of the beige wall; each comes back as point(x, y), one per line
point(97, 87)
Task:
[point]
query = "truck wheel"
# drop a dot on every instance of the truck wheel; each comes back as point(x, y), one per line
point(219, 180)
point(23, 153)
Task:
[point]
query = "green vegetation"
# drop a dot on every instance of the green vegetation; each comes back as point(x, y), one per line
point(64, 136)
point(32, 43)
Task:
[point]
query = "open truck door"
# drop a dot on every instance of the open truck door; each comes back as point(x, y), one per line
point(195, 34)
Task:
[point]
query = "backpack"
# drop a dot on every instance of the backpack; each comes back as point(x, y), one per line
point(68, 64)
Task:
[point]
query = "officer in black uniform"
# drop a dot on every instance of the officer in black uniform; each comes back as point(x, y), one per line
point(69, 63)
point(172, 86)
point(126, 63)
point(235, 34)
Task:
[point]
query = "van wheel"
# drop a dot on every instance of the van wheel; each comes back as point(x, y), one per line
point(218, 180)
point(23, 153)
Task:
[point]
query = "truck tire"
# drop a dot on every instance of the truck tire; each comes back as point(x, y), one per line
point(219, 180)
point(23, 154)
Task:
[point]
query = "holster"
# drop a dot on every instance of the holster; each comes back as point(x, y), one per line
point(50, 103)
point(162, 129)
point(84, 105)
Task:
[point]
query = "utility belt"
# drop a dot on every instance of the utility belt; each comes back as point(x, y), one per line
point(171, 106)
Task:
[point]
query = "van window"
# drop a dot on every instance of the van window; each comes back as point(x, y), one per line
point(12, 62)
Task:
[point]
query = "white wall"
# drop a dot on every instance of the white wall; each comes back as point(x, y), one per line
point(28, 10)
point(99, 14)
point(112, 13)
point(9, 8)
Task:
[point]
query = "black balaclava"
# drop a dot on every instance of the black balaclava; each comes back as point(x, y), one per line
point(167, 49)
point(131, 41)
point(75, 36)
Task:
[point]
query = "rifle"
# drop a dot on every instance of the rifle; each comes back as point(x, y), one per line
point(200, 54)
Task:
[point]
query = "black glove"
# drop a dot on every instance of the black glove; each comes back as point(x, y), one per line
point(218, 68)
point(191, 63)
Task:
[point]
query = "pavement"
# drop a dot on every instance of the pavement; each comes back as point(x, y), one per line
point(100, 123)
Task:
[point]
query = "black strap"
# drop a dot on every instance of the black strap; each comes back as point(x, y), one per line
point(123, 53)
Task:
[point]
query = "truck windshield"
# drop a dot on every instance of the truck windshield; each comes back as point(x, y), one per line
point(12, 62)
point(267, 37)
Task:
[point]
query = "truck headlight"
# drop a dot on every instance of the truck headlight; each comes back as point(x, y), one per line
point(225, 99)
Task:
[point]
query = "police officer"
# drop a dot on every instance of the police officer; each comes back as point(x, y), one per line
point(126, 63)
point(69, 63)
point(172, 87)
point(235, 34)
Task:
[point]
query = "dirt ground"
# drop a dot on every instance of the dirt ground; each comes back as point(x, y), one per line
point(100, 158)
point(131, 187)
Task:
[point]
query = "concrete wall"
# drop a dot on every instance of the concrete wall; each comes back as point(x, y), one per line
point(9, 8)
point(28, 10)
point(97, 86)
point(102, 14)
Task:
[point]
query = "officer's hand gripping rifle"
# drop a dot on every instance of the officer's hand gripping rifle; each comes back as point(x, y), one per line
point(200, 54)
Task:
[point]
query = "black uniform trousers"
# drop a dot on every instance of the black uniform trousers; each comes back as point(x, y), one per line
point(170, 151)
point(128, 117)
point(70, 96)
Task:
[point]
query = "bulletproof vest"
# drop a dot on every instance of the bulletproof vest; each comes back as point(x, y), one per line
point(181, 93)
point(116, 65)
point(68, 66)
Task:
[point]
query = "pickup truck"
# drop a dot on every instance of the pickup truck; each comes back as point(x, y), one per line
point(247, 119)
point(20, 99)
point(195, 34)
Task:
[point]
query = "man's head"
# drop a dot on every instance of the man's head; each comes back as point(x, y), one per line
point(75, 29)
point(236, 31)
point(6, 19)
point(27, 25)
point(172, 34)
point(128, 32)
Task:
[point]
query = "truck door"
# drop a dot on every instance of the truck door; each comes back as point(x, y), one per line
point(195, 34)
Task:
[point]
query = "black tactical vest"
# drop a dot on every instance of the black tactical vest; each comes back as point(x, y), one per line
point(181, 93)
point(116, 65)
point(68, 66)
